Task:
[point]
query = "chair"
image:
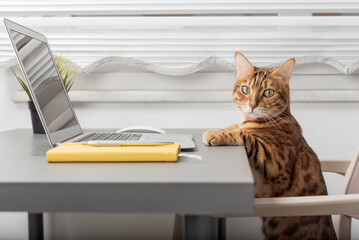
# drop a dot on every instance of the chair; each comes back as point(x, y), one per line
point(346, 205)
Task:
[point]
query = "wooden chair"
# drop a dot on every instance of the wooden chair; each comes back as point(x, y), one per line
point(346, 205)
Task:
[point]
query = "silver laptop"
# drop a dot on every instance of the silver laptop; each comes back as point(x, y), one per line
point(52, 101)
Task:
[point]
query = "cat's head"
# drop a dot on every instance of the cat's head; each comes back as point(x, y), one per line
point(262, 93)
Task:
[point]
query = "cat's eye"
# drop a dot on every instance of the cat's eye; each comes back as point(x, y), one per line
point(245, 89)
point(268, 93)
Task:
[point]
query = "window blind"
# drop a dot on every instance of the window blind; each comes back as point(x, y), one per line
point(176, 37)
point(182, 33)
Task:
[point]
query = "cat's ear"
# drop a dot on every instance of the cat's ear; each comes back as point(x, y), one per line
point(243, 66)
point(285, 71)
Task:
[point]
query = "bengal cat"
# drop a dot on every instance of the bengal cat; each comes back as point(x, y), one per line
point(282, 162)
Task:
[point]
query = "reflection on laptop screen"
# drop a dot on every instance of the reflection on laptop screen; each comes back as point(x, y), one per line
point(45, 81)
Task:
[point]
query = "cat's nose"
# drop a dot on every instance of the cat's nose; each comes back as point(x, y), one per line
point(252, 105)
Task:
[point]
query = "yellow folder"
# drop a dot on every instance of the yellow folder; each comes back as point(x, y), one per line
point(78, 152)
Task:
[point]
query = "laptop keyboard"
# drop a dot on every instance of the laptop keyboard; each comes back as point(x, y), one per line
point(111, 136)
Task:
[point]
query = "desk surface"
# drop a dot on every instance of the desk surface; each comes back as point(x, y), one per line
point(220, 183)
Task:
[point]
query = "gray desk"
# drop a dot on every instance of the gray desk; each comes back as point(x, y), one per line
point(221, 183)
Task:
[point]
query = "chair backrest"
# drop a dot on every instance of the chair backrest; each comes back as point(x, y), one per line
point(351, 179)
point(351, 185)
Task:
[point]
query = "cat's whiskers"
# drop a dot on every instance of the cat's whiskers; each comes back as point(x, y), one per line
point(282, 118)
point(272, 120)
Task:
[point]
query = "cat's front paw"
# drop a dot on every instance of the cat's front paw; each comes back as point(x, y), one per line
point(210, 138)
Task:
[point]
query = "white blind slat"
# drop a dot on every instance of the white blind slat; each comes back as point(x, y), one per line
point(171, 21)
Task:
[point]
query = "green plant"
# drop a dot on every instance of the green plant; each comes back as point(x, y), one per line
point(68, 76)
point(22, 82)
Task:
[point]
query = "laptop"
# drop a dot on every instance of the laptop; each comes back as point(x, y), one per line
point(52, 102)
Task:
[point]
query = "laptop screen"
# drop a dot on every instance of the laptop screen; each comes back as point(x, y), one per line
point(45, 81)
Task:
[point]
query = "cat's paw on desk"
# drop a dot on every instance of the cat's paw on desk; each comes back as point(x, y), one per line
point(212, 138)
